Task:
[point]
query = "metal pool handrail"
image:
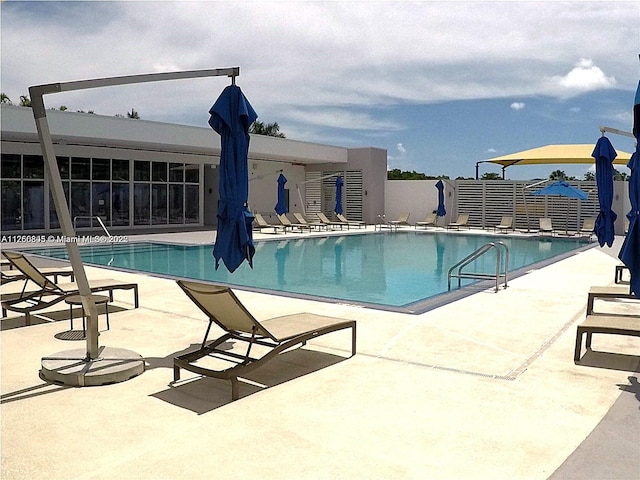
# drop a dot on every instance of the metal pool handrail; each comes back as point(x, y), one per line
point(499, 247)
point(91, 217)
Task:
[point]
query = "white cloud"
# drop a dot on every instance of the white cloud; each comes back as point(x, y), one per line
point(584, 77)
point(293, 65)
point(517, 106)
point(401, 148)
point(491, 150)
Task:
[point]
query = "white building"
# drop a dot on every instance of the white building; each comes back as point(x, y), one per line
point(137, 174)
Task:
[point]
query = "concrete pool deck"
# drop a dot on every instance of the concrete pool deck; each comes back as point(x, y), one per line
point(484, 387)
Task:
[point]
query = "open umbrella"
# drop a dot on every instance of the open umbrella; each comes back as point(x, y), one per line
point(604, 154)
point(339, 184)
point(630, 251)
point(281, 206)
point(231, 116)
point(562, 189)
point(441, 212)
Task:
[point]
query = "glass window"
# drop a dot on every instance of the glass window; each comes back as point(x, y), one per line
point(53, 216)
point(80, 168)
point(176, 172)
point(141, 171)
point(120, 204)
point(10, 206)
point(176, 209)
point(33, 166)
point(191, 203)
point(101, 202)
point(63, 167)
point(159, 171)
point(80, 202)
point(192, 173)
point(10, 167)
point(159, 203)
point(100, 169)
point(33, 205)
point(120, 170)
point(141, 210)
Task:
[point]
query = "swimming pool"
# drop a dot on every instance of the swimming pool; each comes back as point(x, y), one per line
point(405, 271)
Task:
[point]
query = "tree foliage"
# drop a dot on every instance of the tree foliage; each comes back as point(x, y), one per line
point(491, 176)
point(559, 175)
point(397, 174)
point(270, 129)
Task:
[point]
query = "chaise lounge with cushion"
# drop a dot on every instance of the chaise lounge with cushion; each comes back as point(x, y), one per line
point(261, 340)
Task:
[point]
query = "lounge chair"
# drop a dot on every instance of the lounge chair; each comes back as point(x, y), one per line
point(277, 334)
point(303, 221)
point(323, 218)
point(429, 220)
point(284, 220)
point(403, 219)
point(546, 226)
point(610, 324)
point(462, 220)
point(50, 293)
point(505, 224)
point(588, 226)
point(8, 276)
point(383, 223)
point(261, 223)
point(351, 223)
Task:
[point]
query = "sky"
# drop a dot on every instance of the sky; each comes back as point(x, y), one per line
point(440, 85)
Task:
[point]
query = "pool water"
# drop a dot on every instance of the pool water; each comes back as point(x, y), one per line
point(388, 270)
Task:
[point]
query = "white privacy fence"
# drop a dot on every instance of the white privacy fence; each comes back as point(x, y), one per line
point(486, 201)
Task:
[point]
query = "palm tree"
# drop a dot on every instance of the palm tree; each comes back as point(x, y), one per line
point(270, 129)
point(25, 101)
point(133, 114)
point(4, 98)
point(558, 175)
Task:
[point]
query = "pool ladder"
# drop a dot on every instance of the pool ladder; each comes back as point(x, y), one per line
point(500, 249)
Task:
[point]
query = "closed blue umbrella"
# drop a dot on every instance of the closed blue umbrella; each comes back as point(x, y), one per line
point(604, 154)
point(441, 212)
point(231, 116)
point(339, 184)
point(630, 251)
point(281, 206)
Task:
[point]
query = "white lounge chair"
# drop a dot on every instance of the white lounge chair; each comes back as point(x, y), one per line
point(546, 226)
point(505, 224)
point(403, 219)
point(462, 220)
point(429, 220)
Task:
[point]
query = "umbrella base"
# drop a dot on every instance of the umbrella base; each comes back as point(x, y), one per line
point(70, 367)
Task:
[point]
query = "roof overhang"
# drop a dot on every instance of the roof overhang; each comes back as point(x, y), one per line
point(71, 128)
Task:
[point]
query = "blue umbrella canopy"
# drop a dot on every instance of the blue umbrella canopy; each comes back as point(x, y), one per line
point(231, 116)
point(562, 189)
point(441, 212)
point(630, 251)
point(281, 206)
point(339, 184)
point(604, 154)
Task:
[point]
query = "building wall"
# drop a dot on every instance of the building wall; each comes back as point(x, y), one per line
point(417, 197)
